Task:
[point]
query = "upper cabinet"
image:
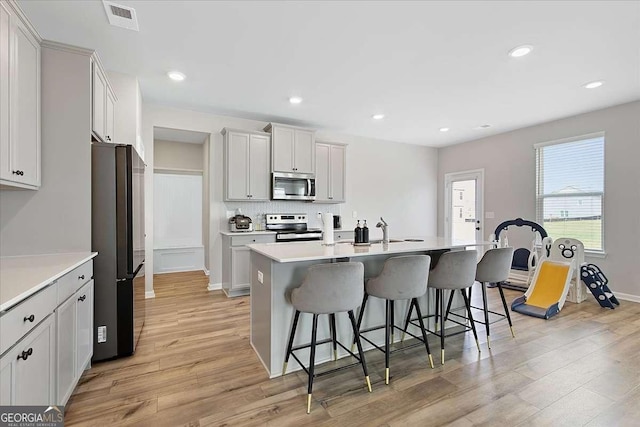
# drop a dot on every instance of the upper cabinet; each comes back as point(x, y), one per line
point(246, 165)
point(19, 100)
point(103, 104)
point(330, 172)
point(293, 149)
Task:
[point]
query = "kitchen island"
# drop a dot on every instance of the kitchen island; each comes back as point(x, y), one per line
point(276, 268)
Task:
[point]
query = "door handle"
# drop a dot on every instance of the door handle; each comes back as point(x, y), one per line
point(477, 228)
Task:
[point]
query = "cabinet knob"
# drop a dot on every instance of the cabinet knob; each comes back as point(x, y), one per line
point(82, 298)
point(25, 354)
point(81, 277)
point(30, 318)
point(18, 172)
point(108, 138)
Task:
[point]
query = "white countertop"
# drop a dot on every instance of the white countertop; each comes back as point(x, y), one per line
point(245, 233)
point(23, 276)
point(308, 251)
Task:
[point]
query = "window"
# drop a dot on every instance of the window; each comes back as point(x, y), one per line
point(570, 189)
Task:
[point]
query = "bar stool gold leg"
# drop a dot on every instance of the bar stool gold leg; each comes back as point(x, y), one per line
point(512, 333)
point(386, 376)
point(284, 369)
point(442, 356)
point(368, 383)
point(308, 403)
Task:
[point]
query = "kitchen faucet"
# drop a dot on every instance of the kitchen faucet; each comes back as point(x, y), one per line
point(385, 230)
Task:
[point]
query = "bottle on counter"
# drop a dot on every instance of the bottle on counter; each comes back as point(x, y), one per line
point(358, 233)
point(365, 232)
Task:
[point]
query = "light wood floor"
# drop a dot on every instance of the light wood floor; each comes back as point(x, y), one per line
point(194, 366)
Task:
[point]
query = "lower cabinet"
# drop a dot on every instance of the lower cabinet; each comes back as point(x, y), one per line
point(43, 364)
point(74, 325)
point(27, 371)
point(236, 262)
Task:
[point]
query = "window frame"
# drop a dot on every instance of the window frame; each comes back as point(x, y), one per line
point(539, 199)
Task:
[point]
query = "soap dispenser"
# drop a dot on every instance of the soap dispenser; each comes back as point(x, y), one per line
point(365, 232)
point(358, 234)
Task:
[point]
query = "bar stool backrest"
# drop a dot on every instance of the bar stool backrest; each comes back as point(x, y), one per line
point(495, 265)
point(330, 288)
point(455, 270)
point(402, 277)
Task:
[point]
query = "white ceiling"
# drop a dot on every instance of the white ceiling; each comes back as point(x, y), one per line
point(179, 135)
point(425, 65)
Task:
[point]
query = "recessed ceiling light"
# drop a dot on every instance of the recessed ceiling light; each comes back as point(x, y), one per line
point(520, 51)
point(444, 129)
point(485, 126)
point(377, 116)
point(176, 75)
point(295, 100)
point(593, 85)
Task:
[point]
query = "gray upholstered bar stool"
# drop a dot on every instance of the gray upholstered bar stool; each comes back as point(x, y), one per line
point(455, 271)
point(327, 289)
point(402, 278)
point(494, 267)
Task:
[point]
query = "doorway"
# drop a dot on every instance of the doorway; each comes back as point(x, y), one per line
point(463, 209)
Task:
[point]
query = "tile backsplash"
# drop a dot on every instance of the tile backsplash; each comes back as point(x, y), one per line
point(253, 209)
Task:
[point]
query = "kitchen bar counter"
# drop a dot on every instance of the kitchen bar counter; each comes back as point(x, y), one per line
point(23, 276)
point(308, 251)
point(278, 268)
point(246, 233)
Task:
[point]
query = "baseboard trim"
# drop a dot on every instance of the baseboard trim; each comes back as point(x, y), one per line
point(149, 294)
point(206, 272)
point(627, 297)
point(214, 286)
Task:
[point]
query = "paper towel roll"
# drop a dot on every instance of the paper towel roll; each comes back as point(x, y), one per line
point(327, 229)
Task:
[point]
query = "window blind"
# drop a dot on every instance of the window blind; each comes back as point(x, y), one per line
point(570, 189)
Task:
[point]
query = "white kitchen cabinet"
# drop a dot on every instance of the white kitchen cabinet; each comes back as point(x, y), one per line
point(331, 162)
point(19, 100)
point(46, 340)
point(103, 103)
point(27, 370)
point(66, 345)
point(246, 165)
point(84, 327)
point(236, 261)
point(74, 335)
point(293, 149)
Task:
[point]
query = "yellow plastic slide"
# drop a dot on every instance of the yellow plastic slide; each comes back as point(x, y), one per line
point(548, 290)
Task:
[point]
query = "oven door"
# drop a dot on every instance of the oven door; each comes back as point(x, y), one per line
point(292, 186)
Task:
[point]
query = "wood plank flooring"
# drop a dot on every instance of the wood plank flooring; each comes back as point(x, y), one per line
point(194, 366)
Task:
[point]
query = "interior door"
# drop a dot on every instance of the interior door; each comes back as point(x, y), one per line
point(463, 205)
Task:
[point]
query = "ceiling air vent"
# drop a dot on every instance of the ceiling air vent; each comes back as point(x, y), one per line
point(121, 16)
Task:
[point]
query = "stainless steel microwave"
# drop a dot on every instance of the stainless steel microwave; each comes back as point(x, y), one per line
point(293, 186)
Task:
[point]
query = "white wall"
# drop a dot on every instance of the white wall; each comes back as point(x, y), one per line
point(509, 163)
point(57, 217)
point(397, 181)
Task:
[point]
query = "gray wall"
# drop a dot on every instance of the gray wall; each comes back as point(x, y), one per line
point(509, 188)
point(178, 155)
point(57, 217)
point(397, 181)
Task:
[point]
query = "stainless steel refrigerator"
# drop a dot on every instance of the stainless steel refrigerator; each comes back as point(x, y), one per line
point(117, 234)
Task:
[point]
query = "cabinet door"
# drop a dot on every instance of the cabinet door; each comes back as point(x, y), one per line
point(259, 170)
point(304, 151)
point(27, 370)
point(66, 349)
point(282, 140)
point(5, 20)
point(84, 327)
point(322, 172)
point(109, 126)
point(240, 268)
point(337, 173)
point(237, 159)
point(24, 112)
point(99, 103)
